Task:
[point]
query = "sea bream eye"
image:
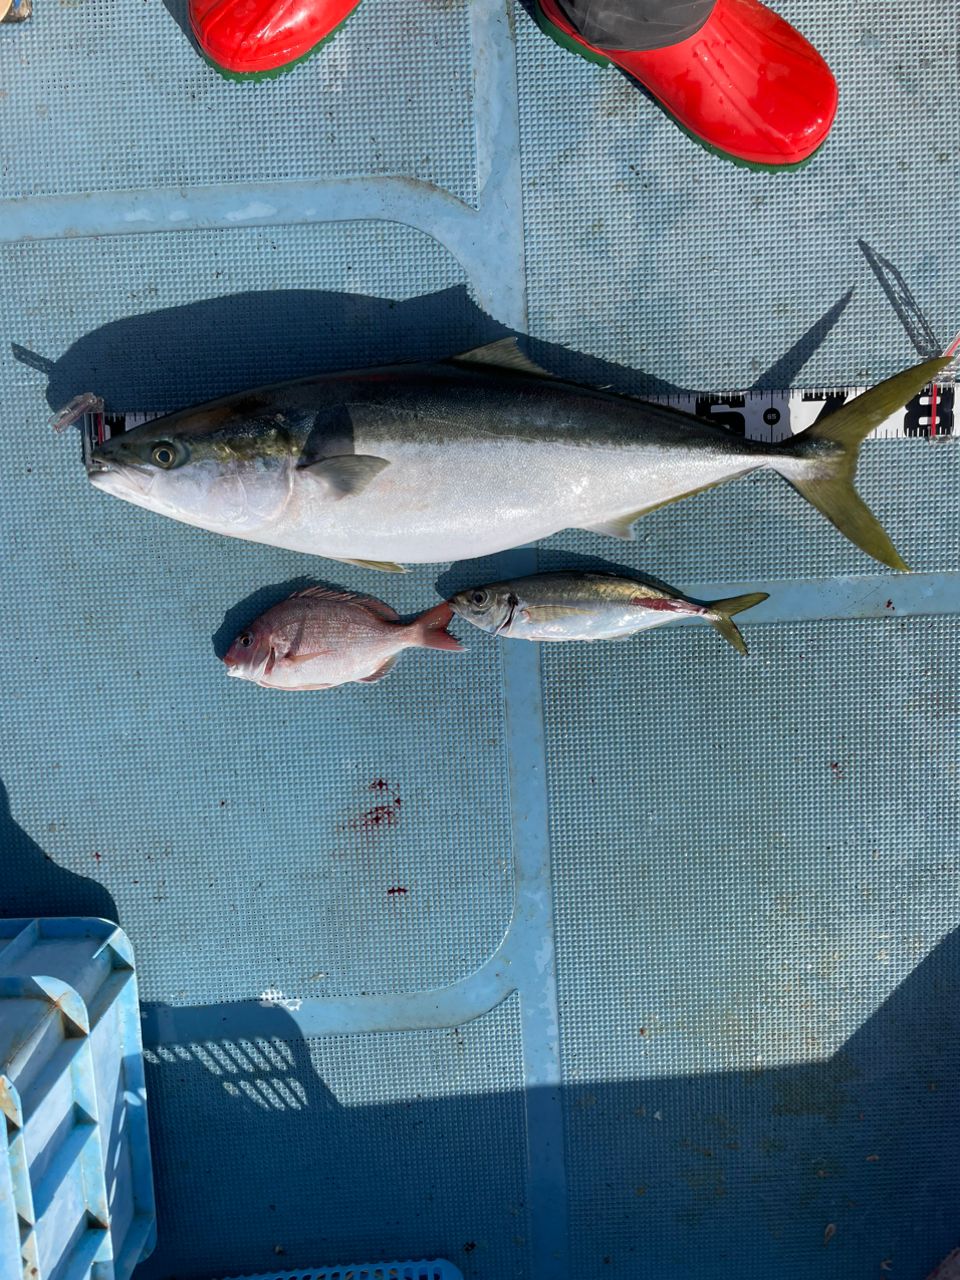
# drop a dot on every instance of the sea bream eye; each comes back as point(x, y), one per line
point(164, 455)
point(246, 640)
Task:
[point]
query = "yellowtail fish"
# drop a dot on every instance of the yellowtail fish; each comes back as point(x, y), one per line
point(422, 463)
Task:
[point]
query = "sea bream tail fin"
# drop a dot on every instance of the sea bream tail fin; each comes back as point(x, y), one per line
point(431, 629)
point(720, 615)
point(829, 450)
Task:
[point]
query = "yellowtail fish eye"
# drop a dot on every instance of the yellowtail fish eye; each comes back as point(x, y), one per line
point(164, 455)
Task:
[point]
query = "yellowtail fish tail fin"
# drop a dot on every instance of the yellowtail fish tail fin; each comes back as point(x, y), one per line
point(849, 424)
point(835, 497)
point(720, 615)
point(431, 630)
point(830, 449)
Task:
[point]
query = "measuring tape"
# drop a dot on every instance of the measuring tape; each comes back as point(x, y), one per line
point(771, 416)
point(767, 416)
point(774, 415)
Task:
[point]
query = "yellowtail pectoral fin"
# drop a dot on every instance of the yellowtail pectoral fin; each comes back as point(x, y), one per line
point(347, 474)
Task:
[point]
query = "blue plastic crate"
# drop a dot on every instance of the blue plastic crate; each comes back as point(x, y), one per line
point(436, 1270)
point(9, 1226)
point(76, 1180)
point(51, 1143)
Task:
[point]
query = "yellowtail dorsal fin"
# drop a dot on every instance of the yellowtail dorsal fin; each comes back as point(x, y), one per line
point(502, 354)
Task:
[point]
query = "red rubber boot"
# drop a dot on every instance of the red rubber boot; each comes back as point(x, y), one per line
point(747, 85)
point(259, 39)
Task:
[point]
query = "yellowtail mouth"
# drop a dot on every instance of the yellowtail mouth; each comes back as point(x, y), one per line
point(118, 480)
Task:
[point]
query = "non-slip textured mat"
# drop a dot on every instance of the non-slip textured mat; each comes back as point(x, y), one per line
point(250, 840)
point(106, 100)
point(412, 1142)
point(647, 252)
point(756, 888)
